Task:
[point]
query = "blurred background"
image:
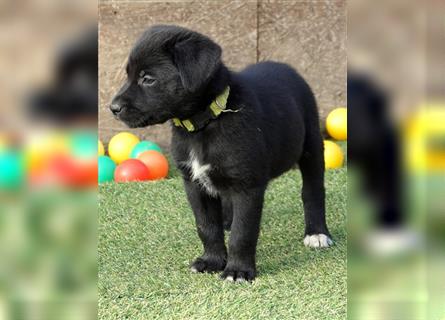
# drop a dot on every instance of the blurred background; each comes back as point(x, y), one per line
point(48, 166)
point(309, 35)
point(396, 160)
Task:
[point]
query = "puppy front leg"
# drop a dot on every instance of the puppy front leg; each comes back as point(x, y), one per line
point(208, 217)
point(247, 207)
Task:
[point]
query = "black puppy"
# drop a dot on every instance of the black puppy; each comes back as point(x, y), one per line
point(73, 95)
point(232, 134)
point(374, 148)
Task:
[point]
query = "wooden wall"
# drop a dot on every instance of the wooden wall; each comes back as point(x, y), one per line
point(309, 35)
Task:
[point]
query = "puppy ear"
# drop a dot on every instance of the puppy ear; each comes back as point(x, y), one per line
point(196, 58)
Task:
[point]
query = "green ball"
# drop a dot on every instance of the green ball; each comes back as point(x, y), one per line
point(84, 144)
point(106, 169)
point(144, 146)
point(12, 171)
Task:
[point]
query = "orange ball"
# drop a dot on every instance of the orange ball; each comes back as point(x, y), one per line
point(156, 163)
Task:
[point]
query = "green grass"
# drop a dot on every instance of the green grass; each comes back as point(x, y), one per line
point(147, 239)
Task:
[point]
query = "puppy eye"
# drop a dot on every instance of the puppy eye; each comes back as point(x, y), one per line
point(147, 80)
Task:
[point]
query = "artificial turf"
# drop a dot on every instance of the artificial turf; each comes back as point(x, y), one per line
point(147, 240)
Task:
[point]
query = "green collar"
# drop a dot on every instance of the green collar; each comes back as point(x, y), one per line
point(200, 120)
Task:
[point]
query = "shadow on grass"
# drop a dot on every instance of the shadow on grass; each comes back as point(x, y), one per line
point(293, 256)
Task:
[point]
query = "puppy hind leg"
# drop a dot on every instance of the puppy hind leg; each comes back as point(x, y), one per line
point(313, 193)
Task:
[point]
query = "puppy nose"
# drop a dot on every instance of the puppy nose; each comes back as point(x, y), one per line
point(116, 108)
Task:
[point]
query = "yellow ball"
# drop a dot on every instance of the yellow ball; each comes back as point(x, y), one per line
point(333, 155)
point(100, 148)
point(121, 145)
point(4, 143)
point(337, 124)
point(43, 146)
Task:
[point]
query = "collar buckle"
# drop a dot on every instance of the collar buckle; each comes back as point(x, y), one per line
point(200, 120)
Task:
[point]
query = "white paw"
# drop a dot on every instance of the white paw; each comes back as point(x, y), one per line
point(384, 242)
point(318, 241)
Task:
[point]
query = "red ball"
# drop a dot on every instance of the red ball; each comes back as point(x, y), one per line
point(131, 170)
point(87, 170)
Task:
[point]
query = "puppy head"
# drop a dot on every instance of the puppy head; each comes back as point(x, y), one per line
point(72, 96)
point(167, 69)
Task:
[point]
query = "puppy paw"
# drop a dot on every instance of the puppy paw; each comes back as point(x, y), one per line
point(238, 274)
point(206, 264)
point(318, 241)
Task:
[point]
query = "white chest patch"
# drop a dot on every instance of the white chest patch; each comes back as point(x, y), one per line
point(199, 172)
